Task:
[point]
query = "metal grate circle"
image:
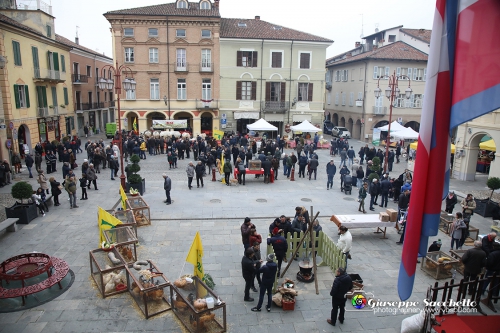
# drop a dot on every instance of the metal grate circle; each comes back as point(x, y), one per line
point(348, 198)
point(215, 201)
point(261, 200)
point(306, 199)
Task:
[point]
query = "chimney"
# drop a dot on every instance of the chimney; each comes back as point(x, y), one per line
point(257, 17)
point(216, 4)
point(77, 40)
point(375, 47)
point(358, 44)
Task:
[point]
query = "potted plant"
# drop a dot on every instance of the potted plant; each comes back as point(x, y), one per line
point(63, 106)
point(375, 169)
point(135, 180)
point(487, 207)
point(25, 212)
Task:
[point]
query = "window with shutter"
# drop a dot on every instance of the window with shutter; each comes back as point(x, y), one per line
point(346, 75)
point(414, 73)
point(398, 71)
point(337, 99)
point(305, 60)
point(254, 59)
point(310, 92)
point(254, 91)
point(63, 63)
point(343, 98)
point(410, 71)
point(16, 96)
point(351, 99)
point(276, 59)
point(387, 69)
point(239, 61)
point(66, 99)
point(282, 91)
point(17, 53)
point(342, 76)
point(238, 90)
point(303, 90)
point(375, 72)
point(425, 74)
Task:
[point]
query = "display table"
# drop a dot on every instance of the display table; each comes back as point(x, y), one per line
point(254, 172)
point(362, 221)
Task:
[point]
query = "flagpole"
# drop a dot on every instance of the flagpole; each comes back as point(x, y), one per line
point(182, 269)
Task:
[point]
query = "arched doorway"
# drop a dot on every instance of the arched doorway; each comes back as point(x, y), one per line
point(328, 116)
point(381, 123)
point(342, 122)
point(356, 130)
point(129, 122)
point(414, 125)
point(335, 119)
point(477, 159)
point(350, 125)
point(23, 138)
point(206, 119)
point(185, 115)
point(154, 116)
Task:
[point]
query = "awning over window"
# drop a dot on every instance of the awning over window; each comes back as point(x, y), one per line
point(246, 115)
point(273, 117)
point(301, 117)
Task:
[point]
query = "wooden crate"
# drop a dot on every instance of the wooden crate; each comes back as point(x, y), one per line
point(437, 270)
point(458, 254)
point(140, 208)
point(102, 269)
point(126, 242)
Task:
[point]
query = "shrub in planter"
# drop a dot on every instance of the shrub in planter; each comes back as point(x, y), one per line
point(493, 184)
point(25, 212)
point(135, 180)
point(375, 169)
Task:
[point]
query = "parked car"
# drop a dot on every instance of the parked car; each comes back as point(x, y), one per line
point(327, 127)
point(341, 132)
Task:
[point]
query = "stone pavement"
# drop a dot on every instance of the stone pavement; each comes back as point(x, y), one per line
point(217, 211)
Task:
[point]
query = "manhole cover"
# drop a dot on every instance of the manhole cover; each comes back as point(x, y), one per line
point(348, 198)
point(261, 200)
point(306, 199)
point(215, 201)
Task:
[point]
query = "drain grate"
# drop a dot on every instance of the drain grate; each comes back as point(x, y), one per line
point(215, 201)
point(348, 198)
point(261, 200)
point(306, 199)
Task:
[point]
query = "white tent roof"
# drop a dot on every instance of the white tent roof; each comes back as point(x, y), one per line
point(261, 125)
point(406, 133)
point(305, 126)
point(395, 126)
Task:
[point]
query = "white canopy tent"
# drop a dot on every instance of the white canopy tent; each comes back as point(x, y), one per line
point(406, 133)
point(261, 125)
point(395, 126)
point(305, 127)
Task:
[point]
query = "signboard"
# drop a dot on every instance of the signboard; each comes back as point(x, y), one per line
point(169, 124)
point(223, 123)
point(3, 126)
point(376, 137)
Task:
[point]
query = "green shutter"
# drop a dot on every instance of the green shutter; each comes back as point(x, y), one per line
point(27, 93)
point(66, 101)
point(55, 55)
point(44, 96)
point(16, 95)
point(63, 63)
point(17, 53)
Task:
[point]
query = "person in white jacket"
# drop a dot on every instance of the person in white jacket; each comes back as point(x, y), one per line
point(345, 242)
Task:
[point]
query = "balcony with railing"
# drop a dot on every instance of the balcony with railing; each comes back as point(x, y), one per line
point(34, 5)
point(380, 110)
point(54, 110)
point(86, 106)
point(206, 67)
point(275, 106)
point(202, 104)
point(98, 105)
point(48, 75)
point(42, 111)
point(79, 78)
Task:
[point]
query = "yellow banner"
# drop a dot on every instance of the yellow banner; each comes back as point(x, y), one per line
point(218, 135)
point(105, 221)
point(194, 256)
point(123, 198)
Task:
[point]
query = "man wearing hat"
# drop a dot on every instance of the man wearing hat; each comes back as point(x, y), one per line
point(341, 285)
point(435, 246)
point(268, 275)
point(331, 170)
point(248, 268)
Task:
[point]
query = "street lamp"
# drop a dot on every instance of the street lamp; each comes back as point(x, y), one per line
point(128, 84)
point(391, 91)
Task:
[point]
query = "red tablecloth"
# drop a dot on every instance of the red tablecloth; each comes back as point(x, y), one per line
point(254, 172)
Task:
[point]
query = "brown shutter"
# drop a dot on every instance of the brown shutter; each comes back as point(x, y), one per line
point(238, 90)
point(283, 91)
point(304, 60)
point(239, 63)
point(254, 59)
point(268, 91)
point(310, 92)
point(254, 90)
point(274, 60)
point(278, 60)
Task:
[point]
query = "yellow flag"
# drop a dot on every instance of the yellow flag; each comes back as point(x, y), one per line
point(123, 198)
point(194, 256)
point(105, 221)
point(218, 135)
point(221, 166)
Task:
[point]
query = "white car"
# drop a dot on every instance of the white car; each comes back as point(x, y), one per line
point(341, 132)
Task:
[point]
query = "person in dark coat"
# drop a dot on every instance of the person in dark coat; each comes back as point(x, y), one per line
point(167, 186)
point(451, 201)
point(341, 285)
point(282, 223)
point(398, 153)
point(361, 154)
point(280, 246)
point(474, 260)
point(374, 191)
point(331, 170)
point(487, 242)
point(313, 166)
point(248, 268)
point(199, 170)
point(268, 272)
point(266, 165)
point(385, 186)
point(390, 159)
point(492, 266)
point(343, 172)
point(302, 165)
point(29, 163)
point(435, 246)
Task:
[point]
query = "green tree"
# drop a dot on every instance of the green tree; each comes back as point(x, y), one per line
point(135, 178)
point(493, 184)
point(375, 169)
point(21, 191)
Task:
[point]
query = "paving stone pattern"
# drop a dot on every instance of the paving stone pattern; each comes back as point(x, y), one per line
point(71, 233)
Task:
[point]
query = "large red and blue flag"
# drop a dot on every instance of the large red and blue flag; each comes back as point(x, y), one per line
point(463, 83)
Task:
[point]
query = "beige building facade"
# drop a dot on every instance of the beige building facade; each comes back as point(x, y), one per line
point(172, 52)
point(270, 72)
point(34, 83)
